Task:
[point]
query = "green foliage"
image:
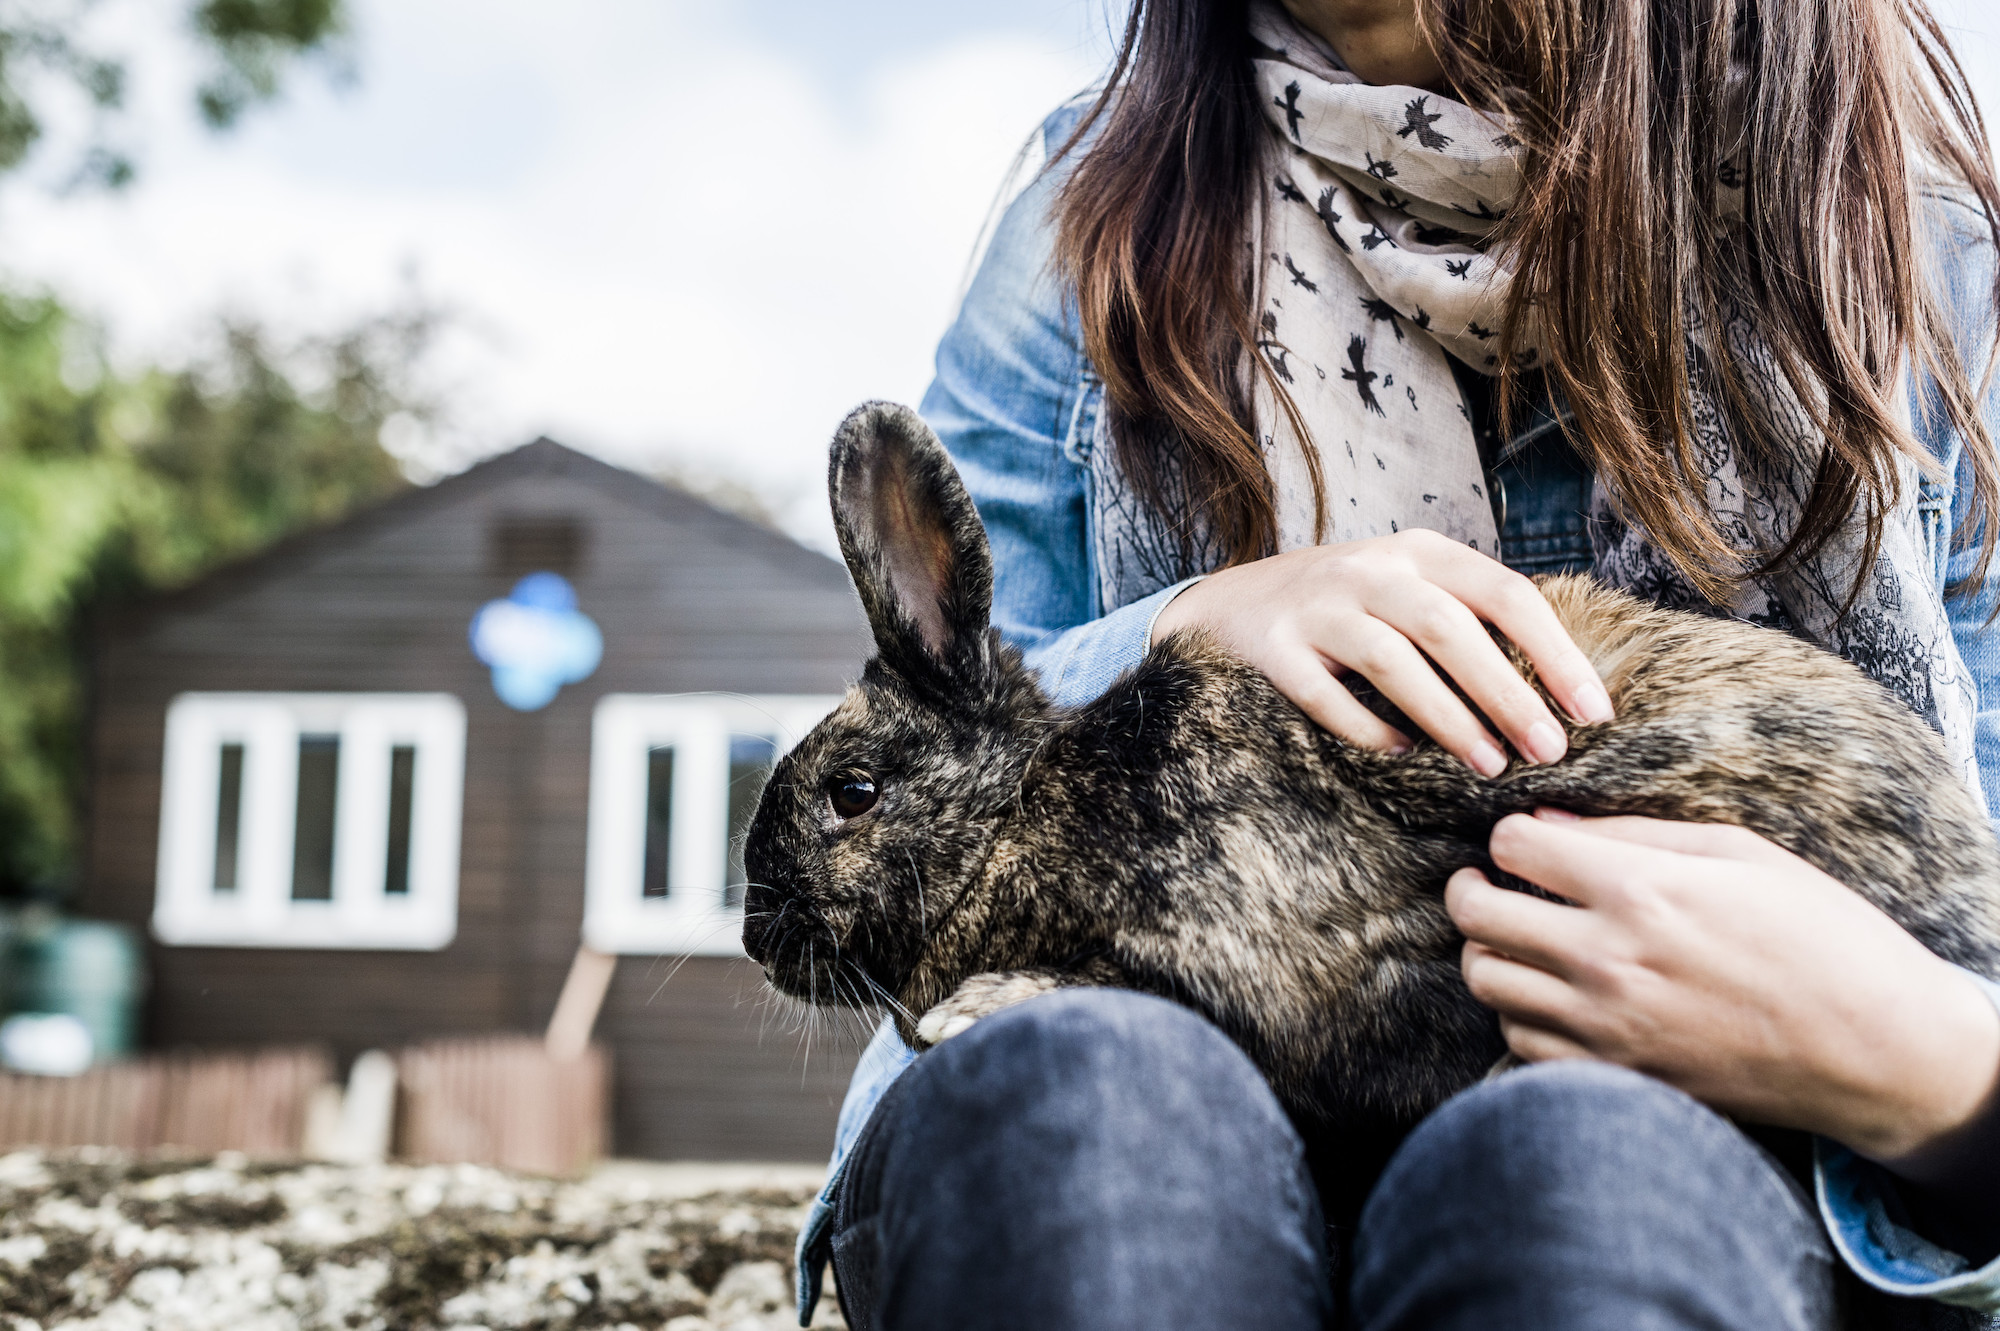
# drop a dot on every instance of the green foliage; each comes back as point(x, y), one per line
point(34, 44)
point(255, 40)
point(113, 486)
point(249, 43)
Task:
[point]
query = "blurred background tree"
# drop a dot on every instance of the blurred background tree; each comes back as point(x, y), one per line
point(47, 57)
point(114, 484)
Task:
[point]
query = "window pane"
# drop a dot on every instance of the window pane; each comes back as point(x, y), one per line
point(659, 820)
point(402, 791)
point(228, 816)
point(312, 843)
point(751, 758)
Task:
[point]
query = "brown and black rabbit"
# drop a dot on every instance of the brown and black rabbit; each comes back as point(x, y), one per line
point(948, 841)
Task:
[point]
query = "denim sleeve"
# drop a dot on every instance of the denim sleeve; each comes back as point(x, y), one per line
point(1016, 405)
point(1962, 278)
point(881, 1063)
point(1858, 1200)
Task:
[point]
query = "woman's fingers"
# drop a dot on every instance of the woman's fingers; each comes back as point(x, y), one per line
point(1514, 964)
point(1720, 841)
point(1517, 991)
point(1451, 635)
point(1537, 1044)
point(1528, 929)
point(1400, 610)
point(1512, 604)
point(1301, 676)
point(1387, 659)
point(1558, 855)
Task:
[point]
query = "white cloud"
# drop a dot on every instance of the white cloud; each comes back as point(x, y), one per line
point(674, 244)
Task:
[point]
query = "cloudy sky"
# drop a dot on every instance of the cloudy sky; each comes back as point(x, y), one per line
point(677, 233)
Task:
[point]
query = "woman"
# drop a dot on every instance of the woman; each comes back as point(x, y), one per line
point(1293, 309)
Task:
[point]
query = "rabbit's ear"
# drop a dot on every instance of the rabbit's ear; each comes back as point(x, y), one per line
point(911, 537)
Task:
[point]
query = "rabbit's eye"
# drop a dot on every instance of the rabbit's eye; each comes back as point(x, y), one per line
point(851, 795)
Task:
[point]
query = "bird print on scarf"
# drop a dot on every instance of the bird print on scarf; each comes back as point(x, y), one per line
point(1329, 218)
point(1362, 377)
point(1290, 106)
point(1274, 350)
point(1418, 123)
point(1381, 311)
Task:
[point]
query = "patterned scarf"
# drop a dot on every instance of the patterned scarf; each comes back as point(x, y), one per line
point(1370, 270)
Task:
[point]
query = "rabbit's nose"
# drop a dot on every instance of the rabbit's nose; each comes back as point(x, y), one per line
point(763, 909)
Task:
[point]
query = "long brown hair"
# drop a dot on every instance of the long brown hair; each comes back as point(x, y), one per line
point(1622, 108)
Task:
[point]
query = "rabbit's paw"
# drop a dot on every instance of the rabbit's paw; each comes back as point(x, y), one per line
point(981, 996)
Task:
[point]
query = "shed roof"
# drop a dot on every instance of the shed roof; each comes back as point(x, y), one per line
point(542, 457)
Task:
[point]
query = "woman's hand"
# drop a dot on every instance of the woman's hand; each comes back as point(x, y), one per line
point(1379, 608)
point(1721, 964)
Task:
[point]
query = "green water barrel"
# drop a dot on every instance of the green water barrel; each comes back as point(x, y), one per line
point(10, 926)
point(91, 970)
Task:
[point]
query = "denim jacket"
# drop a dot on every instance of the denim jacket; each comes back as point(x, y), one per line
point(1017, 404)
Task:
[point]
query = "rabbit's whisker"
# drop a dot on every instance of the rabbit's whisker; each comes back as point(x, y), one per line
point(850, 1006)
point(683, 958)
point(888, 998)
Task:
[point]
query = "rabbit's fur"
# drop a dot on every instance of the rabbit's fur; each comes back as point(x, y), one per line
point(1192, 834)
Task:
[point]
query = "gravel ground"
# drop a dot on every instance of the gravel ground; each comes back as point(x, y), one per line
point(93, 1239)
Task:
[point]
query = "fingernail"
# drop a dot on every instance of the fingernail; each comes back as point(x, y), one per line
point(1545, 742)
point(1399, 750)
point(1486, 760)
point(1592, 704)
point(1550, 815)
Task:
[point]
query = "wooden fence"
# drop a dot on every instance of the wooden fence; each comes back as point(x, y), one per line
point(503, 1100)
point(495, 1100)
point(202, 1103)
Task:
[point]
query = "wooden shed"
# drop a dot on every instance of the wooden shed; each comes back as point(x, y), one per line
point(306, 788)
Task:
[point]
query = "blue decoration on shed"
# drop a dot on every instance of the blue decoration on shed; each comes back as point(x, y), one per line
point(536, 641)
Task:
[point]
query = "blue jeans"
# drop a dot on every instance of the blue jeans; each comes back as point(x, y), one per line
point(1107, 1160)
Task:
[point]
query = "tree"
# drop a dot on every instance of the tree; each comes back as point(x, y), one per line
point(248, 44)
point(113, 486)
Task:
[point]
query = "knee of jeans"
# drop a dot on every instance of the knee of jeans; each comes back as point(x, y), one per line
point(1586, 1189)
point(1080, 1027)
point(1108, 1048)
point(1569, 1124)
point(1568, 1090)
point(1098, 1152)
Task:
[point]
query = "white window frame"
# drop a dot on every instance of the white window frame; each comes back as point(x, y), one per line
point(260, 912)
point(692, 919)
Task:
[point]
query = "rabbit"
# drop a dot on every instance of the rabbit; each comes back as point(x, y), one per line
point(948, 842)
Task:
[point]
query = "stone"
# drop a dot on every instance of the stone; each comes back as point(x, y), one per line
point(100, 1240)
